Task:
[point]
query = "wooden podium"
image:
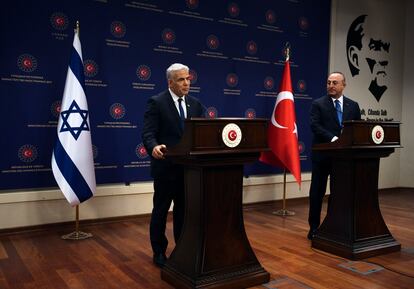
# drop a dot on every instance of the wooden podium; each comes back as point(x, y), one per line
point(354, 227)
point(213, 250)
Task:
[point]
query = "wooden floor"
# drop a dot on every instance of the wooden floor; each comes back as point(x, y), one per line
point(119, 254)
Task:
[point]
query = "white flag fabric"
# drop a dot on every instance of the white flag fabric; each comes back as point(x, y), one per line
point(72, 158)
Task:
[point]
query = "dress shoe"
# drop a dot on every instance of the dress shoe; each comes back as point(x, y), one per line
point(311, 234)
point(159, 260)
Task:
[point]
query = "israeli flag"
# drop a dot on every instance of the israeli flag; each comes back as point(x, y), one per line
point(72, 158)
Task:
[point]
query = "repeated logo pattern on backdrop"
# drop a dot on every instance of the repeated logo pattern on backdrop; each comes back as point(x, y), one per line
point(235, 49)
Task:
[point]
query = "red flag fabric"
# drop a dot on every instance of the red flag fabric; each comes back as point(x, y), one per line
point(282, 131)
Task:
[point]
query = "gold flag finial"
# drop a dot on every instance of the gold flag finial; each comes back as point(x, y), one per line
point(77, 27)
point(287, 49)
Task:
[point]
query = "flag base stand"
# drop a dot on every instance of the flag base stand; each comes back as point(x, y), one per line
point(284, 212)
point(77, 235)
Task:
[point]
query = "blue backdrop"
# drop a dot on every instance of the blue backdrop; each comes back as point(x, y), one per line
point(235, 50)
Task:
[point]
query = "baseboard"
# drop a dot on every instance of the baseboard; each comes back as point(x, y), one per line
point(68, 225)
point(21, 209)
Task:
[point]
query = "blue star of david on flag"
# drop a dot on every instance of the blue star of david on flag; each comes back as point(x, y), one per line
point(71, 127)
point(72, 158)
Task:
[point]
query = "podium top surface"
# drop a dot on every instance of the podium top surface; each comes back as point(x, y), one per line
point(204, 136)
point(361, 134)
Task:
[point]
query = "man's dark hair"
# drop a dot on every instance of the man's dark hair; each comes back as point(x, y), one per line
point(354, 38)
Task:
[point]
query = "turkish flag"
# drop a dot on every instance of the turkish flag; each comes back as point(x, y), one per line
point(282, 131)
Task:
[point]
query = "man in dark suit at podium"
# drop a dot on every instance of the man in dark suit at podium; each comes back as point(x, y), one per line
point(163, 128)
point(326, 115)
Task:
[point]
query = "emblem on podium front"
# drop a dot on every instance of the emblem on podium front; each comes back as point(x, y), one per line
point(231, 135)
point(377, 134)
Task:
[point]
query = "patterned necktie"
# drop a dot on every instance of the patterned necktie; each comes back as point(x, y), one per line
point(338, 111)
point(182, 116)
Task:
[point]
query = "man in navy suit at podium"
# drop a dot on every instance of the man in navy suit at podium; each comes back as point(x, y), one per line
point(326, 115)
point(163, 128)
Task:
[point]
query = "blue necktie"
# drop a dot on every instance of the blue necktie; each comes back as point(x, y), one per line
point(182, 115)
point(338, 111)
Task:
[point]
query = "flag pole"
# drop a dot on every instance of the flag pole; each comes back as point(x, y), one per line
point(77, 219)
point(77, 235)
point(284, 211)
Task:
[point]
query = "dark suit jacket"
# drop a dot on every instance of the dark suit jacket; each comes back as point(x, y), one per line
point(324, 120)
point(162, 126)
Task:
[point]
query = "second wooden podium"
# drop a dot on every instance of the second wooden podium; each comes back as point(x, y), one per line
point(213, 250)
point(354, 227)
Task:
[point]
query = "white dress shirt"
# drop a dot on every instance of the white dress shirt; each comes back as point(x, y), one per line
point(341, 103)
point(175, 99)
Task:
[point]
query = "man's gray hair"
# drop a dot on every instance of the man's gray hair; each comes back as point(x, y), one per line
point(175, 67)
point(340, 73)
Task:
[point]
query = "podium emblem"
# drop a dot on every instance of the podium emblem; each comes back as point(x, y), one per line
point(377, 134)
point(231, 135)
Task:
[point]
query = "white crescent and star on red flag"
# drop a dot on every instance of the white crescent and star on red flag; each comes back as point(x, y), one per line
point(284, 95)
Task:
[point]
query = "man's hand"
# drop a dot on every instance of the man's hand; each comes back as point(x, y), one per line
point(158, 151)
